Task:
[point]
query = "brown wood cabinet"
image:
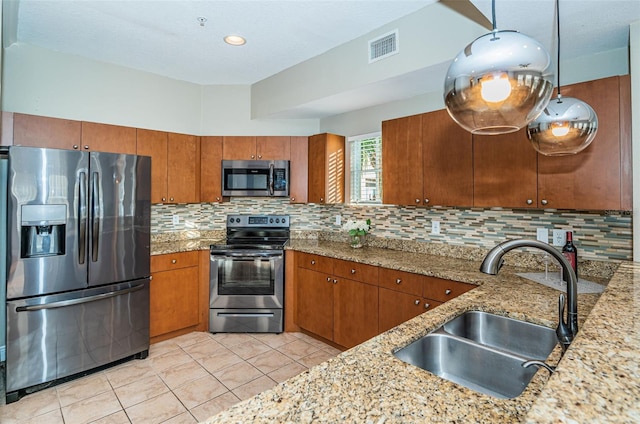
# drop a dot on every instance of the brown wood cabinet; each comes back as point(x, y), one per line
point(256, 148)
point(594, 178)
point(348, 302)
point(299, 170)
point(174, 294)
point(326, 169)
point(108, 138)
point(447, 150)
point(505, 171)
point(42, 131)
point(175, 165)
point(342, 310)
point(211, 169)
point(402, 161)
point(428, 160)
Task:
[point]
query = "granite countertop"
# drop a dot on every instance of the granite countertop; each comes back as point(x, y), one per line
point(597, 379)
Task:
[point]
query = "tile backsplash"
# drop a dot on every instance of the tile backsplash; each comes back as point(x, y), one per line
point(601, 235)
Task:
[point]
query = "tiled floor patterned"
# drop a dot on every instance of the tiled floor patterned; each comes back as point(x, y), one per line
point(184, 380)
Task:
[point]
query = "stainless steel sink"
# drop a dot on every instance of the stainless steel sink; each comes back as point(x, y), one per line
point(483, 352)
point(523, 338)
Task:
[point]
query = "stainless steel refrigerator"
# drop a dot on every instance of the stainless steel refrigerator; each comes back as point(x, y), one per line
point(78, 237)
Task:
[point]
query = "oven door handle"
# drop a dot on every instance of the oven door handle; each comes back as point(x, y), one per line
point(245, 255)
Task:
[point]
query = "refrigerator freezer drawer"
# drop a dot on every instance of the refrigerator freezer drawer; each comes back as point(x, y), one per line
point(56, 336)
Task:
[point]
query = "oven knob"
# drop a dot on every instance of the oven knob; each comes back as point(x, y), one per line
point(283, 220)
point(271, 220)
point(277, 220)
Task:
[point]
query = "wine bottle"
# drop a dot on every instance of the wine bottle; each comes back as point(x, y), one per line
point(570, 252)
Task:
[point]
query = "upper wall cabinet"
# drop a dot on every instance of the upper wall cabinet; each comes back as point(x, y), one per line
point(175, 165)
point(504, 171)
point(427, 160)
point(402, 161)
point(42, 131)
point(597, 178)
point(256, 148)
point(326, 168)
point(108, 138)
point(210, 169)
point(299, 170)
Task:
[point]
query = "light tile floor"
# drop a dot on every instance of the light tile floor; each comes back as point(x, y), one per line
point(184, 380)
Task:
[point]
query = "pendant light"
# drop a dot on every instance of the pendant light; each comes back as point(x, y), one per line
point(567, 125)
point(499, 83)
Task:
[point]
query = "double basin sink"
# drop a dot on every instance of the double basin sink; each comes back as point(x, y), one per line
point(483, 352)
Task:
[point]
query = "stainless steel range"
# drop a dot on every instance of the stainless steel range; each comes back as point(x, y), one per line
point(247, 275)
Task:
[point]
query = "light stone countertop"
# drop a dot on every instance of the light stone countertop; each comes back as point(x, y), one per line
point(597, 380)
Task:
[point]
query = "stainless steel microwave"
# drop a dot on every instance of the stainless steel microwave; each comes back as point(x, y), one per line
point(255, 178)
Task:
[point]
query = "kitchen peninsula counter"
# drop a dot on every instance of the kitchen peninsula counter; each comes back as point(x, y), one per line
point(597, 379)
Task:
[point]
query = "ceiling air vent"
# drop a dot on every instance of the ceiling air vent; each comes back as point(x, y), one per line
point(383, 46)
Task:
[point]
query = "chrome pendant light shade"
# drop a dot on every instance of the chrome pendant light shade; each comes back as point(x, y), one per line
point(499, 83)
point(567, 125)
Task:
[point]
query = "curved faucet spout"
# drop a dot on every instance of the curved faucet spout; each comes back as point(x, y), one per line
point(566, 331)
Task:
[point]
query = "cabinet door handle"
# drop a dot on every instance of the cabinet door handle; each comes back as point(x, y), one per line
point(253, 156)
point(426, 306)
point(416, 302)
point(259, 156)
point(313, 262)
point(86, 147)
point(171, 199)
point(417, 200)
point(217, 199)
point(174, 261)
point(529, 202)
point(398, 281)
point(321, 199)
point(75, 147)
point(353, 271)
point(164, 199)
point(447, 292)
point(335, 281)
point(426, 200)
point(328, 279)
point(544, 201)
point(293, 199)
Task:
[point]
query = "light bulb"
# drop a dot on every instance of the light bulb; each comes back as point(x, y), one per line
point(560, 129)
point(495, 87)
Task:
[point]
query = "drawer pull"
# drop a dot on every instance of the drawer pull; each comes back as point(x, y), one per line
point(174, 261)
point(398, 281)
point(447, 292)
point(353, 271)
point(416, 302)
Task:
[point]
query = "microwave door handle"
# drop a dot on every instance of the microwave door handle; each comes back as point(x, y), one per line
point(271, 177)
point(95, 216)
point(82, 217)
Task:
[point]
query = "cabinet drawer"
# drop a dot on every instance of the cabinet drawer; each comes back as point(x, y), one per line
point(443, 290)
point(356, 271)
point(401, 281)
point(315, 262)
point(173, 261)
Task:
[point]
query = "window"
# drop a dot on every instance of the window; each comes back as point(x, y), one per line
point(366, 168)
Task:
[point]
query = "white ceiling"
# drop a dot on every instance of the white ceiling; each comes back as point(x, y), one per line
point(164, 36)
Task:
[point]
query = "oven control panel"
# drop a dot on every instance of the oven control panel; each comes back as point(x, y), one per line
point(248, 221)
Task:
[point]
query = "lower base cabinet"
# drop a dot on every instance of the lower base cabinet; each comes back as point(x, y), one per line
point(174, 293)
point(338, 309)
point(348, 312)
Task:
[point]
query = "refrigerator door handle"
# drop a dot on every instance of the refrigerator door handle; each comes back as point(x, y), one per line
point(64, 303)
point(82, 217)
point(95, 216)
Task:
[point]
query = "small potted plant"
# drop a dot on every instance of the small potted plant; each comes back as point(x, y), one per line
point(357, 231)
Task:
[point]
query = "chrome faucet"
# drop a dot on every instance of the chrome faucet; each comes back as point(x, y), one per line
point(566, 330)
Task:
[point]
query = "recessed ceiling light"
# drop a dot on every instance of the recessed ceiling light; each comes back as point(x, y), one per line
point(234, 40)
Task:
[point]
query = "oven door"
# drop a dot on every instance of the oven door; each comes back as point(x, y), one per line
point(247, 279)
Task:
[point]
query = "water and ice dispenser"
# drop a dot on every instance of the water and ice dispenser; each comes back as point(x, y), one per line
point(43, 231)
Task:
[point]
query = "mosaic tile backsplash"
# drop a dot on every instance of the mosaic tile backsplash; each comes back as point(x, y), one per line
point(598, 235)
